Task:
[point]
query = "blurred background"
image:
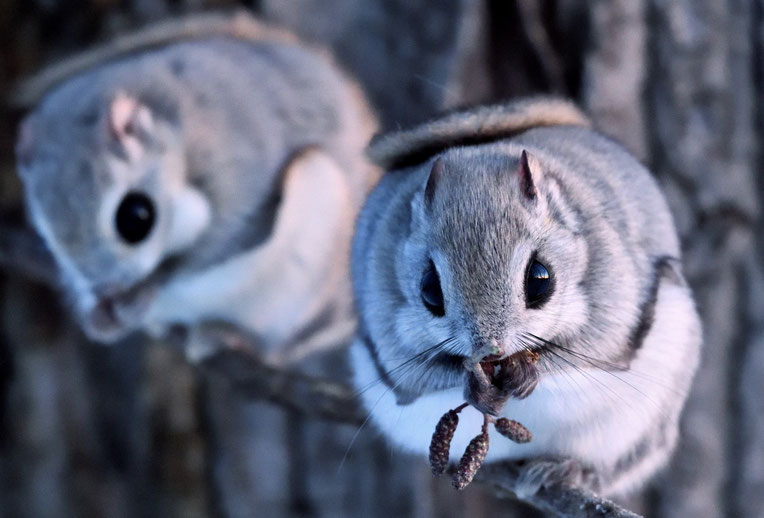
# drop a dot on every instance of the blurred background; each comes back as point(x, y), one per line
point(134, 431)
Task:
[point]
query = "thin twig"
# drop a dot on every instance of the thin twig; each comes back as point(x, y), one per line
point(309, 395)
point(563, 502)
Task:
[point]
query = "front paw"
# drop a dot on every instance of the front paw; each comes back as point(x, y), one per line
point(552, 472)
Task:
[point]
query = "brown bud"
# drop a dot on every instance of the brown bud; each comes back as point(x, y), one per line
point(471, 461)
point(441, 442)
point(513, 430)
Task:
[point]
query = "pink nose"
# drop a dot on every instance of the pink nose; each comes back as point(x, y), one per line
point(489, 347)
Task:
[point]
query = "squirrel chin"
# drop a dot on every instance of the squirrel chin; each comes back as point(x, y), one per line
point(115, 316)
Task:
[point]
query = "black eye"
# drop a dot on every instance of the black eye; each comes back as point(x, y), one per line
point(432, 295)
point(135, 217)
point(538, 284)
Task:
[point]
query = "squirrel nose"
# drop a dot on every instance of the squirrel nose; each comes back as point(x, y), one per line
point(483, 347)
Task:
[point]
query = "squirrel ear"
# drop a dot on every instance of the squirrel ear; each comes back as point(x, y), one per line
point(128, 121)
point(25, 141)
point(528, 171)
point(432, 181)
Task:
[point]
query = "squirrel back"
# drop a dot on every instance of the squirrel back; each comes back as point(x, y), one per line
point(237, 24)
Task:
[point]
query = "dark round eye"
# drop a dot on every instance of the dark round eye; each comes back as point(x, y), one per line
point(538, 284)
point(432, 295)
point(135, 217)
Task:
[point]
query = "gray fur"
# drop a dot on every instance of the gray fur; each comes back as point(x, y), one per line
point(597, 219)
point(231, 114)
point(236, 23)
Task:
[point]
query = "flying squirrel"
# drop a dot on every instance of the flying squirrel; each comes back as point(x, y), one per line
point(518, 229)
point(203, 169)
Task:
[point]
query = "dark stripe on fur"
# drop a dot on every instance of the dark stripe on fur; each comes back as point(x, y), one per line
point(263, 215)
point(655, 440)
point(450, 367)
point(401, 397)
point(556, 210)
point(661, 269)
point(384, 376)
point(425, 152)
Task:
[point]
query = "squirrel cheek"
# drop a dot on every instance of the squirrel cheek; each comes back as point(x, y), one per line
point(190, 217)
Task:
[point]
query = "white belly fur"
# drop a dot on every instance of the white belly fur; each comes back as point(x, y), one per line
point(594, 416)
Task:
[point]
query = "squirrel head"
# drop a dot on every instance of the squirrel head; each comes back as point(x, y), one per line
point(492, 259)
point(108, 190)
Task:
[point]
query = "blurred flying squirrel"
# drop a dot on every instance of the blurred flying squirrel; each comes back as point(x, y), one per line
point(512, 229)
point(203, 169)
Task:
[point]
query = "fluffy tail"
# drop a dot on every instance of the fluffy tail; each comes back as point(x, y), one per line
point(472, 126)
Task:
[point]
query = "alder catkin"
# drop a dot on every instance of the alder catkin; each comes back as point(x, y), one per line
point(441, 442)
point(471, 461)
point(513, 430)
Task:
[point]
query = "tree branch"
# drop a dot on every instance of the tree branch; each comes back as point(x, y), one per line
point(563, 502)
point(22, 251)
point(308, 395)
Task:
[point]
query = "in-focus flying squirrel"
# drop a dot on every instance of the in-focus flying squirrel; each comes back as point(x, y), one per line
point(203, 169)
point(516, 228)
